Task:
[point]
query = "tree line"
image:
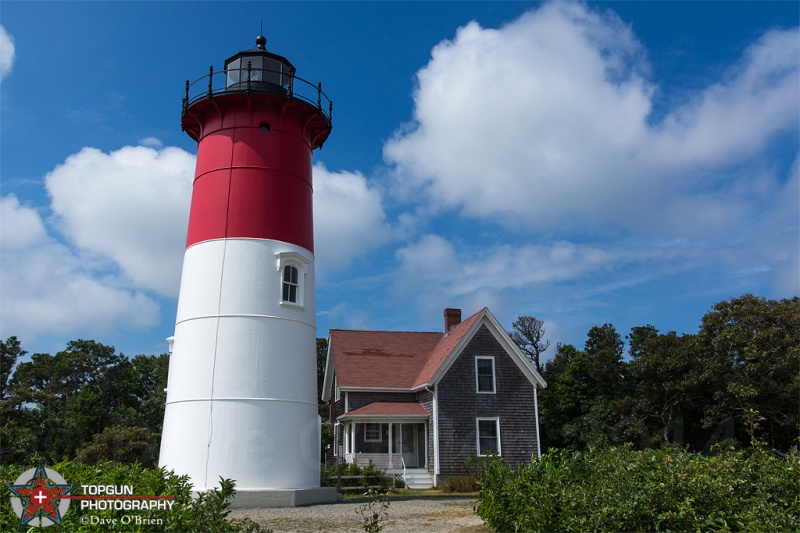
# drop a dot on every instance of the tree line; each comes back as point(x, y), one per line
point(735, 381)
point(86, 403)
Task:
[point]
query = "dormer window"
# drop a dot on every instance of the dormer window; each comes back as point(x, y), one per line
point(293, 268)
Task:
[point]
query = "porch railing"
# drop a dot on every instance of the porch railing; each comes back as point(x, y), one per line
point(381, 460)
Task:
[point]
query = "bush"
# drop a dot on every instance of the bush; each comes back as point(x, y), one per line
point(375, 476)
point(462, 483)
point(474, 467)
point(208, 512)
point(120, 444)
point(617, 489)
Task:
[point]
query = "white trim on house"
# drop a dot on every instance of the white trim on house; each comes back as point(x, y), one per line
point(536, 410)
point(394, 419)
point(511, 347)
point(486, 318)
point(375, 389)
point(436, 471)
point(328, 378)
point(480, 419)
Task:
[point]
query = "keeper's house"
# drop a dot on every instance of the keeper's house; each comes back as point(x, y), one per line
point(419, 404)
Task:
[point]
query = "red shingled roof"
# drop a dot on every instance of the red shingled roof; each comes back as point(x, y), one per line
point(390, 409)
point(392, 359)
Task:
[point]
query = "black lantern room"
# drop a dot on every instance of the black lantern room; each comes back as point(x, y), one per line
point(259, 70)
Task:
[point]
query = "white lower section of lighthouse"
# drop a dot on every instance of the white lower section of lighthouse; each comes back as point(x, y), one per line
point(241, 396)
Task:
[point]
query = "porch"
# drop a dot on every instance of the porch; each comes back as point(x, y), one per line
point(392, 436)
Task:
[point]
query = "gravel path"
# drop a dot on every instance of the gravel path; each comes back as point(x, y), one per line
point(440, 514)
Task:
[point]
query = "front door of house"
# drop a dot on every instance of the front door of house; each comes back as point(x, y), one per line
point(406, 442)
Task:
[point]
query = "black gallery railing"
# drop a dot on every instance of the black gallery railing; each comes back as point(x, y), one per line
point(250, 80)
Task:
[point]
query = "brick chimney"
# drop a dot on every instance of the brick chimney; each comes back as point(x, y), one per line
point(452, 318)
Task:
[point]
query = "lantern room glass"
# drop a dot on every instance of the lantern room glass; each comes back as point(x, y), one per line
point(261, 68)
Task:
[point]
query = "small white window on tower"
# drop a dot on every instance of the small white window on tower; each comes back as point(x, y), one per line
point(290, 284)
point(293, 268)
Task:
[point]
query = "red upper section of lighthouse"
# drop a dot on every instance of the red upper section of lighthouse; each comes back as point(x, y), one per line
point(255, 139)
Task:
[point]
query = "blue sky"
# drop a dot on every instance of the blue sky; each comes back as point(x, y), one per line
point(628, 163)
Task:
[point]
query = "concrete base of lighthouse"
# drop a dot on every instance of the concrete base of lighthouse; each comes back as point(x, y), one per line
point(255, 499)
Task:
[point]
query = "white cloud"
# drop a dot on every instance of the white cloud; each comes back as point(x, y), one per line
point(48, 289)
point(130, 206)
point(436, 270)
point(19, 226)
point(7, 53)
point(348, 217)
point(151, 142)
point(545, 123)
point(736, 117)
point(434, 259)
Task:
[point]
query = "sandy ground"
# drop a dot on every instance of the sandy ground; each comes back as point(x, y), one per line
point(406, 515)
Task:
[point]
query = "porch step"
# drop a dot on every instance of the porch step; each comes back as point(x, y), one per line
point(418, 478)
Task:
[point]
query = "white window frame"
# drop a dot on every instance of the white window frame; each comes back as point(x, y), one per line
point(380, 431)
point(289, 283)
point(494, 375)
point(284, 259)
point(478, 421)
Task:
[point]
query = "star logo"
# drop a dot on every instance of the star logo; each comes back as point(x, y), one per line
point(40, 493)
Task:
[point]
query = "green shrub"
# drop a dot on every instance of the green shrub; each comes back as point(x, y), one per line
point(207, 512)
point(120, 444)
point(462, 483)
point(617, 489)
point(375, 476)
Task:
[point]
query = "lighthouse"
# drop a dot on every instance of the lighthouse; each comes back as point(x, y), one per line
point(241, 393)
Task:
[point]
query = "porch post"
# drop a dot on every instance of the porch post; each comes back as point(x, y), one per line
point(352, 442)
point(346, 440)
point(391, 464)
point(425, 427)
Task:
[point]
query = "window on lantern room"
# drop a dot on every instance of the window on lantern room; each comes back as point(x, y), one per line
point(290, 283)
point(234, 72)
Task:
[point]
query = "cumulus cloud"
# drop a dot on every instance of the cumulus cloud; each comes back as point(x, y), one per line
point(48, 288)
point(348, 217)
point(6, 53)
point(130, 206)
point(546, 122)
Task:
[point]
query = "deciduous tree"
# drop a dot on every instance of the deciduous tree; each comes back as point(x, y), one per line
point(528, 334)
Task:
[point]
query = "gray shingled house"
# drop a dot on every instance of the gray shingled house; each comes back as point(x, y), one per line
point(418, 404)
